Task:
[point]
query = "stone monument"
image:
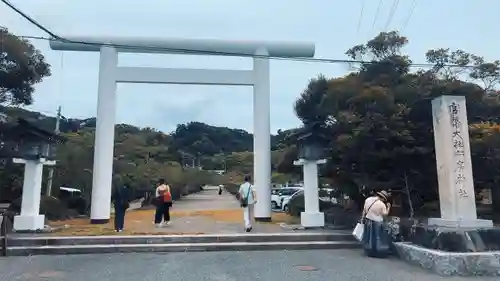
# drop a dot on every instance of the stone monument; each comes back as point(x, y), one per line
point(457, 243)
point(454, 167)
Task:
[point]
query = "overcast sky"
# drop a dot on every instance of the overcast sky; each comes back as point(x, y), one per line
point(332, 25)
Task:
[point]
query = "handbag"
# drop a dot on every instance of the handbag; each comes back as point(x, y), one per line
point(167, 196)
point(244, 200)
point(359, 229)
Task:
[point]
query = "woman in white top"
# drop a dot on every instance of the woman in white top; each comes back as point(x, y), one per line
point(376, 239)
point(247, 192)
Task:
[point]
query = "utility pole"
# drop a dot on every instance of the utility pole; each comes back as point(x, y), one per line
point(51, 168)
point(225, 162)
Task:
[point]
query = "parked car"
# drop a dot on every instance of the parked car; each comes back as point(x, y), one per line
point(280, 195)
point(275, 197)
point(285, 204)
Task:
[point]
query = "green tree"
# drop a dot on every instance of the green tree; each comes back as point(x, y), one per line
point(381, 134)
point(22, 66)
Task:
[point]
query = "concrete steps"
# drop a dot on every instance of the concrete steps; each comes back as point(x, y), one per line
point(37, 245)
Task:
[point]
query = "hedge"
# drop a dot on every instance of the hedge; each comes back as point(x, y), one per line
point(296, 205)
point(232, 188)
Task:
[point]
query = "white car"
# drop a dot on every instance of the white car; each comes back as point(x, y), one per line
point(275, 198)
point(279, 195)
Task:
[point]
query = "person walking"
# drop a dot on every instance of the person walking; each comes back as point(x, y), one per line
point(121, 201)
point(247, 197)
point(163, 203)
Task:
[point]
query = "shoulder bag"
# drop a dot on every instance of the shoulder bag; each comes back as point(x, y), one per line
point(360, 226)
point(244, 200)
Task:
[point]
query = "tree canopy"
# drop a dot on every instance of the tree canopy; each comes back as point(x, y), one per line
point(21, 67)
point(382, 134)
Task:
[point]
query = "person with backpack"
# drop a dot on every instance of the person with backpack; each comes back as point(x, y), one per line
point(121, 201)
point(163, 203)
point(246, 195)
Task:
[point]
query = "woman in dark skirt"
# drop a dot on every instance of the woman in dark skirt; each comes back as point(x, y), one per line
point(376, 239)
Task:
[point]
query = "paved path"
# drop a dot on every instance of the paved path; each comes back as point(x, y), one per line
point(208, 212)
point(338, 265)
point(202, 212)
point(208, 199)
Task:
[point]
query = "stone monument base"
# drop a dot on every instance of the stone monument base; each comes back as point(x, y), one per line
point(453, 250)
point(449, 263)
point(457, 239)
point(477, 223)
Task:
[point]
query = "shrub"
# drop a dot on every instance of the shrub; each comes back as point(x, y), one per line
point(340, 216)
point(232, 188)
point(296, 205)
point(193, 188)
point(51, 207)
point(177, 190)
point(77, 203)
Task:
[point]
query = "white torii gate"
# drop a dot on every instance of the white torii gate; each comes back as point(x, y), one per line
point(110, 74)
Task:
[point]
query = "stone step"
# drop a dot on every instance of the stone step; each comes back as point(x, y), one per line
point(30, 241)
point(179, 247)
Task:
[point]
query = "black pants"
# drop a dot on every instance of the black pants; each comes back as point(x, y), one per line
point(119, 217)
point(162, 211)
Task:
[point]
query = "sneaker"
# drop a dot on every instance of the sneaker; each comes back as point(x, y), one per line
point(166, 223)
point(159, 225)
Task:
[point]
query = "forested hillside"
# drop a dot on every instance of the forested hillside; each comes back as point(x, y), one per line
point(143, 155)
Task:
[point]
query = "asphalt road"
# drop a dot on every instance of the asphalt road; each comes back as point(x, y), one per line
point(338, 265)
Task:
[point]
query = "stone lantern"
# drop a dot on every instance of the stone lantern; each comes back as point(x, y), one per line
point(311, 142)
point(27, 144)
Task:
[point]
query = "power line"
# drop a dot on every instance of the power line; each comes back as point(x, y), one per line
point(55, 37)
point(377, 13)
point(392, 12)
point(314, 60)
point(361, 15)
point(407, 20)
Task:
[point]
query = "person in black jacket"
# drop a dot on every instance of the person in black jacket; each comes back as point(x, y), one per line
point(121, 201)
